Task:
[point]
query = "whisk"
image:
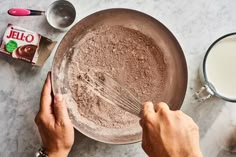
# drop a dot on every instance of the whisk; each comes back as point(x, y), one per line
point(104, 86)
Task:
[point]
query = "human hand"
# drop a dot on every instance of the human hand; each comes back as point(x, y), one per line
point(55, 127)
point(168, 133)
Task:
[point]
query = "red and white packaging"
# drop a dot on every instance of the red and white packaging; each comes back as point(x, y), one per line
point(26, 45)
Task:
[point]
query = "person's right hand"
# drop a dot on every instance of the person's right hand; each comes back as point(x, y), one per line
point(168, 133)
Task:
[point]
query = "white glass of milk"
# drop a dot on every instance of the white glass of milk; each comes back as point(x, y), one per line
point(218, 70)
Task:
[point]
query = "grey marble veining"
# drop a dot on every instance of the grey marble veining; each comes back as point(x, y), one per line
point(196, 24)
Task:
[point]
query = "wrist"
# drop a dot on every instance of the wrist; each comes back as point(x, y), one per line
point(58, 154)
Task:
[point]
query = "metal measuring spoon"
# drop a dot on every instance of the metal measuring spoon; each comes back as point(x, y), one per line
point(60, 14)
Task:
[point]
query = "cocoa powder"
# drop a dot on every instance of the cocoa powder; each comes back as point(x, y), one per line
point(129, 56)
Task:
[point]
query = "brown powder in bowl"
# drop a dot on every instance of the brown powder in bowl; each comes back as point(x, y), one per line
point(130, 57)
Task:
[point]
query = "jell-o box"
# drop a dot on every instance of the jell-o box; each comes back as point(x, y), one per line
point(26, 45)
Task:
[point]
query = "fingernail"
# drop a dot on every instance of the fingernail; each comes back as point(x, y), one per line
point(58, 98)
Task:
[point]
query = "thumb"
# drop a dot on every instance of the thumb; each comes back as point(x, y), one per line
point(59, 108)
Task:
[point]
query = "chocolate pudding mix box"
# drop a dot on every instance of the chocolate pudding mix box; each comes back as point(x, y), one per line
point(26, 45)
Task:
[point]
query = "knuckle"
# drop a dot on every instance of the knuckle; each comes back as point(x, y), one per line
point(161, 105)
point(163, 112)
point(61, 123)
point(166, 117)
point(40, 118)
point(44, 120)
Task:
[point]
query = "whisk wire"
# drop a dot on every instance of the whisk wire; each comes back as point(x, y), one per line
point(113, 92)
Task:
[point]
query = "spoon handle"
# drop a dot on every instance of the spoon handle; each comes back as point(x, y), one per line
point(24, 12)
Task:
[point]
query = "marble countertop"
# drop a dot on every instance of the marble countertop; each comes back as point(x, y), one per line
point(196, 24)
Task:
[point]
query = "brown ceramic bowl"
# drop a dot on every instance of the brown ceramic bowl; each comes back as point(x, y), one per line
point(176, 82)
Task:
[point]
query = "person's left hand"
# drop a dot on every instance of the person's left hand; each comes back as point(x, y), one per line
point(53, 122)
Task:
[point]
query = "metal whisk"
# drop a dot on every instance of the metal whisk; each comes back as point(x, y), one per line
point(104, 86)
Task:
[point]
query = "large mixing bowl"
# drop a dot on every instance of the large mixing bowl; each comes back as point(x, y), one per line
point(176, 81)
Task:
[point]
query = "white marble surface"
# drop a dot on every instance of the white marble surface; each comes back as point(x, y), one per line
point(196, 24)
